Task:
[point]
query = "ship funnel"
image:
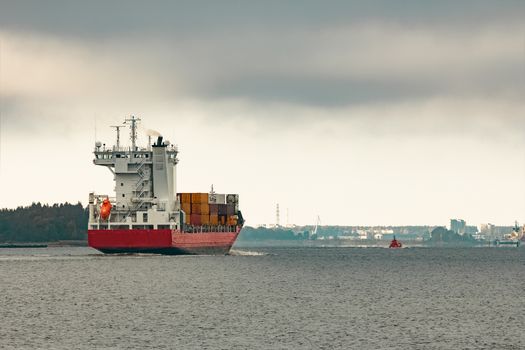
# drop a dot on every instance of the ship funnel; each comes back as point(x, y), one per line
point(159, 141)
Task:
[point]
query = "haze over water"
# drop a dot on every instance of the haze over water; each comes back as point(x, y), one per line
point(300, 298)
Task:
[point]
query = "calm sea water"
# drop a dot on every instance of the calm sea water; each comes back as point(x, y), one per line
point(294, 298)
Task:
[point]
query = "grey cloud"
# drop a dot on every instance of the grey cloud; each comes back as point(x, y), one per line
point(321, 92)
point(316, 54)
point(101, 19)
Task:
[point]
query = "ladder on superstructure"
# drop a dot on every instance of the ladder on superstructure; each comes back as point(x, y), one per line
point(140, 187)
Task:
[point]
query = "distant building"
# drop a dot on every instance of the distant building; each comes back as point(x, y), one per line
point(495, 232)
point(471, 230)
point(479, 237)
point(378, 236)
point(459, 226)
point(488, 230)
point(363, 234)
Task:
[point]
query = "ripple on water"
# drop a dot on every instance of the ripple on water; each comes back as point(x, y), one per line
point(304, 298)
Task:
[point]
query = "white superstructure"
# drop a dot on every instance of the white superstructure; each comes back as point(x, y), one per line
point(145, 185)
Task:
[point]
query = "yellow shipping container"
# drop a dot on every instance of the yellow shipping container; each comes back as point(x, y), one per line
point(205, 219)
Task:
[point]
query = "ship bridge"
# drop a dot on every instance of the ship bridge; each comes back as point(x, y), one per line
point(145, 178)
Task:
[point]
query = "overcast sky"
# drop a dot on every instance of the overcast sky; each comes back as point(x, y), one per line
point(364, 113)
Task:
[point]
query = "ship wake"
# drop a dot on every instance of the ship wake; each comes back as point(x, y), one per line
point(236, 252)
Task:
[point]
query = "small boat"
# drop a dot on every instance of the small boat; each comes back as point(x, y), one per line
point(395, 243)
point(507, 242)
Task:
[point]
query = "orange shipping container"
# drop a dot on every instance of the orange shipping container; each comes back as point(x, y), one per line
point(184, 197)
point(214, 219)
point(199, 198)
point(205, 219)
point(232, 220)
point(205, 209)
point(200, 208)
point(186, 207)
point(196, 208)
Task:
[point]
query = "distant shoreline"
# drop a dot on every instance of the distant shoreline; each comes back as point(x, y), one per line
point(22, 245)
point(71, 243)
point(335, 243)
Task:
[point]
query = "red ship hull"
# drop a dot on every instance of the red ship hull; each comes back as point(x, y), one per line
point(162, 241)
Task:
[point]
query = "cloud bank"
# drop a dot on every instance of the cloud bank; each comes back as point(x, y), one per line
point(377, 88)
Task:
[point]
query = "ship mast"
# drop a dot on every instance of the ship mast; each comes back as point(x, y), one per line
point(133, 121)
point(117, 127)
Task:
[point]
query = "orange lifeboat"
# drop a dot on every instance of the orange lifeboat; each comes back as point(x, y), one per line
point(105, 209)
point(395, 243)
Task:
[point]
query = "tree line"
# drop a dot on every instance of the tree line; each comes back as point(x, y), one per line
point(44, 223)
point(440, 235)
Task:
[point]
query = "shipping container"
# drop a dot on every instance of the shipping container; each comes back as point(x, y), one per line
point(232, 198)
point(222, 219)
point(200, 208)
point(195, 219)
point(232, 220)
point(222, 209)
point(230, 209)
point(217, 198)
point(205, 208)
point(195, 208)
point(186, 207)
point(199, 198)
point(214, 209)
point(184, 197)
point(214, 219)
point(205, 219)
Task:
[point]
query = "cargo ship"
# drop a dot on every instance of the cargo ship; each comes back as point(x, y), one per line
point(146, 214)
